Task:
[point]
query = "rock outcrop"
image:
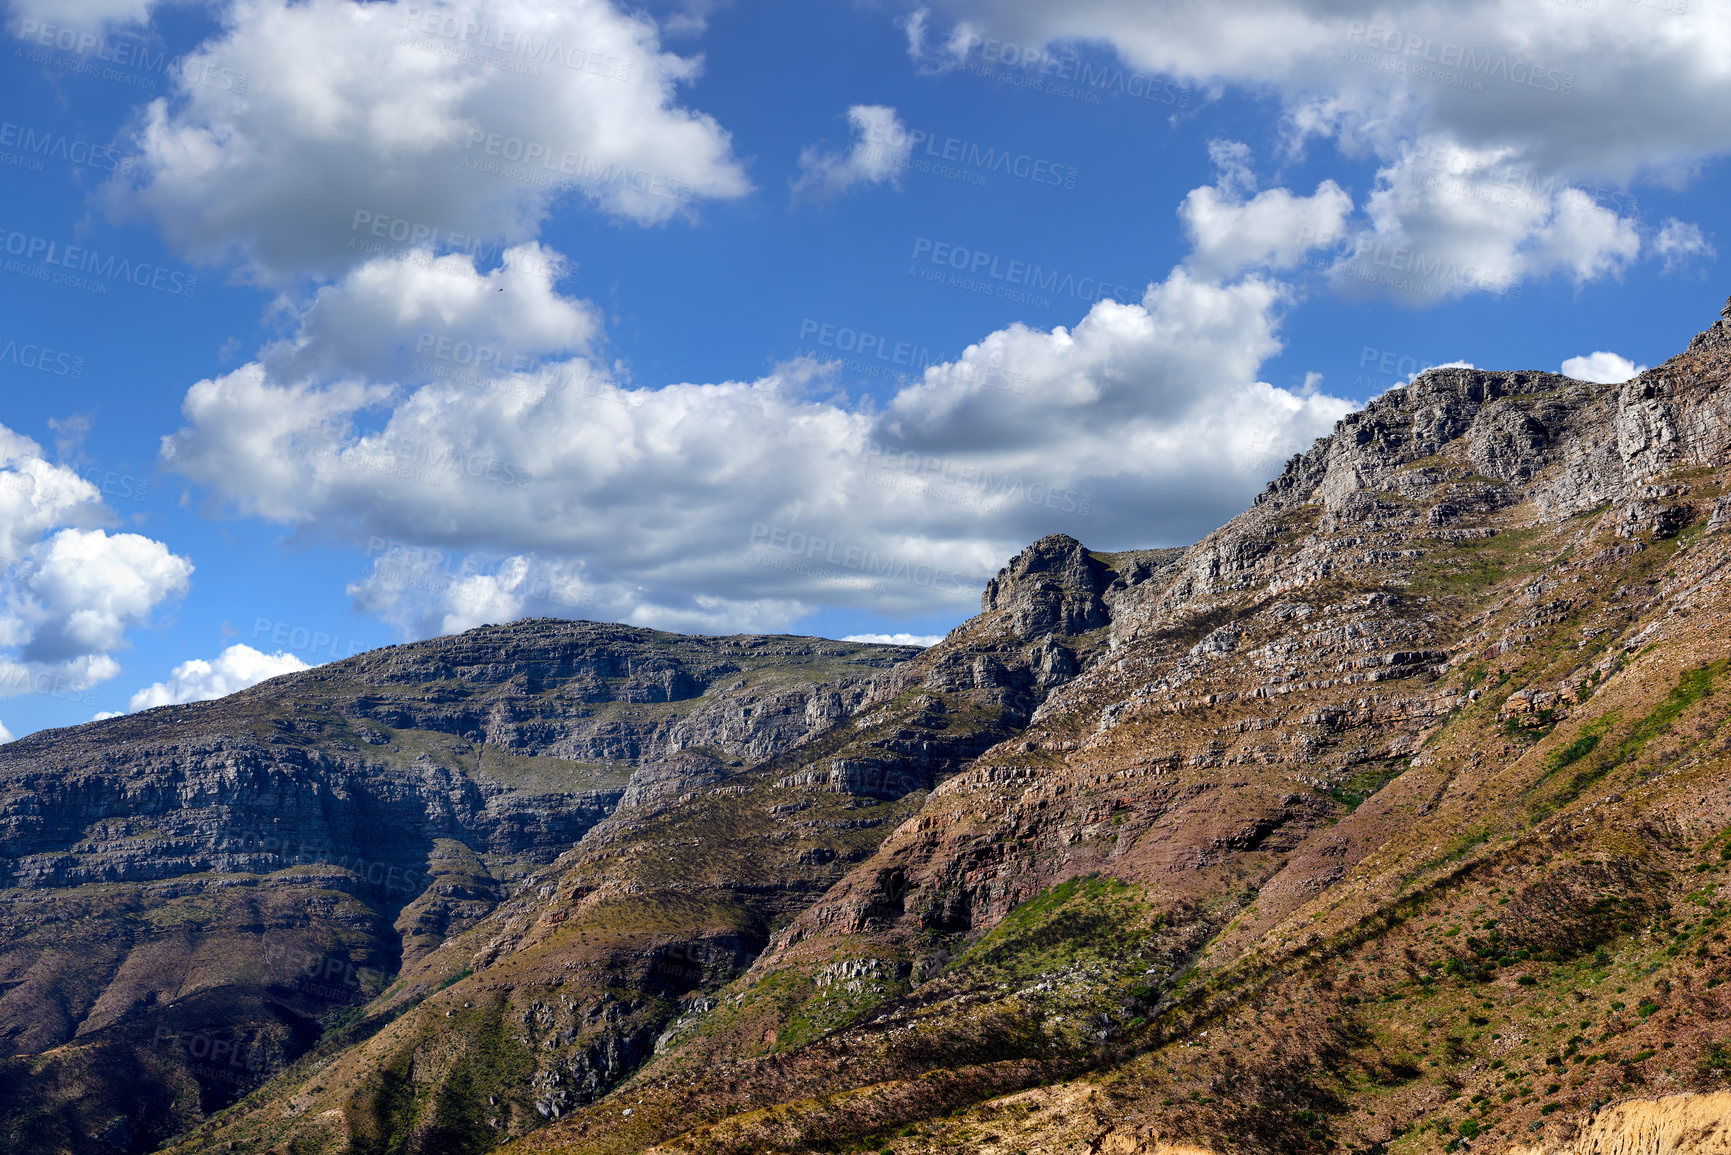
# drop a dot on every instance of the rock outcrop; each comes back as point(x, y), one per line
point(1674, 1125)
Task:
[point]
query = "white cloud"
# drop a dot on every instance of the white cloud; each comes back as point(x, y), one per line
point(744, 504)
point(371, 125)
point(1585, 240)
point(1602, 368)
point(438, 311)
point(1274, 229)
point(5, 734)
point(78, 590)
point(197, 680)
point(1233, 175)
point(897, 639)
point(81, 15)
point(71, 589)
point(880, 152)
point(1444, 221)
point(916, 26)
point(1680, 241)
point(1481, 115)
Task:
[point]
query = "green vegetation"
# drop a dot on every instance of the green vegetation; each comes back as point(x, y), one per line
point(1090, 919)
point(1692, 687)
point(1366, 781)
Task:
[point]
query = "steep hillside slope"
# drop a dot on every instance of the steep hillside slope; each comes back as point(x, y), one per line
point(1397, 818)
point(612, 951)
point(195, 893)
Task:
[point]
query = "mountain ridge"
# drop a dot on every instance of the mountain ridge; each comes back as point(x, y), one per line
point(1395, 815)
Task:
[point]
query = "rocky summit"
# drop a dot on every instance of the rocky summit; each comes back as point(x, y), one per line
point(1394, 816)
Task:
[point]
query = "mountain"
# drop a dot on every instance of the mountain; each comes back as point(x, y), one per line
point(1394, 816)
point(195, 894)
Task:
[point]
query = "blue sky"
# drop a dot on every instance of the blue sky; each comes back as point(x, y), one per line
point(367, 322)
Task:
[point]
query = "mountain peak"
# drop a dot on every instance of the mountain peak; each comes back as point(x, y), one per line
point(1053, 586)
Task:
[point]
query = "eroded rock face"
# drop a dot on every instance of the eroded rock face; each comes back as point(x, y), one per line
point(226, 876)
point(1674, 1125)
point(1053, 586)
point(513, 740)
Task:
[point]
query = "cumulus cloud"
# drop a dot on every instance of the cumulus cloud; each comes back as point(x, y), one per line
point(72, 589)
point(438, 310)
point(1679, 242)
point(5, 734)
point(562, 489)
point(897, 639)
point(1505, 138)
point(453, 124)
point(880, 152)
point(1444, 221)
point(1602, 368)
point(197, 680)
point(1273, 229)
point(1583, 239)
point(78, 590)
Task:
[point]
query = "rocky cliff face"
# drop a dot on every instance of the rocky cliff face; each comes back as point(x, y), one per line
point(223, 878)
point(1674, 1125)
point(614, 952)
